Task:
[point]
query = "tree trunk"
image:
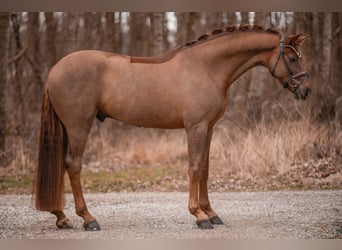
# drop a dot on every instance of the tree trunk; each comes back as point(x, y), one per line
point(214, 20)
point(68, 38)
point(88, 31)
point(34, 44)
point(261, 18)
point(139, 35)
point(4, 24)
point(180, 36)
point(91, 33)
point(256, 80)
point(327, 38)
point(119, 33)
point(110, 31)
point(245, 17)
point(232, 20)
point(335, 75)
point(17, 91)
point(33, 57)
point(50, 39)
point(99, 32)
point(158, 43)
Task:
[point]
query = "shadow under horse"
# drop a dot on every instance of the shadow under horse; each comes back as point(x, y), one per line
point(183, 88)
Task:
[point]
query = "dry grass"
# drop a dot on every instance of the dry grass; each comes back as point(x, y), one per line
point(283, 153)
point(117, 148)
point(268, 149)
point(277, 155)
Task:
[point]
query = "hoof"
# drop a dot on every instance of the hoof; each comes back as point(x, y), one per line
point(216, 220)
point(92, 226)
point(64, 224)
point(204, 224)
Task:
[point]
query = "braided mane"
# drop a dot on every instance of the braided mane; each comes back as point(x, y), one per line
point(232, 29)
point(203, 38)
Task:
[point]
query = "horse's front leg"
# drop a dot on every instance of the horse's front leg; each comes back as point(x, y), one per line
point(203, 186)
point(198, 137)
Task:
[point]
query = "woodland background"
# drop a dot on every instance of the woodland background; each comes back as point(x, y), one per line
point(266, 139)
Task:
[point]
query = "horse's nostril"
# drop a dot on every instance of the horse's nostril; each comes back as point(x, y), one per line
point(308, 92)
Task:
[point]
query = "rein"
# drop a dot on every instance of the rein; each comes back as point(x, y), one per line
point(289, 83)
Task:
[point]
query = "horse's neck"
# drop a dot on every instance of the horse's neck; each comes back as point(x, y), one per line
point(228, 57)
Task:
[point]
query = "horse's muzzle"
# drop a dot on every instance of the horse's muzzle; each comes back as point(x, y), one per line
point(301, 85)
point(302, 92)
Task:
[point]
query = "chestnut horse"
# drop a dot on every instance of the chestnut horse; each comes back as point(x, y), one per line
point(183, 88)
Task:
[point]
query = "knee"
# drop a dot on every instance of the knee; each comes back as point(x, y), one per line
point(73, 166)
point(198, 173)
point(194, 173)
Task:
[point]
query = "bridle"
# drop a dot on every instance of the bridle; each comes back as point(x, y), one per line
point(301, 75)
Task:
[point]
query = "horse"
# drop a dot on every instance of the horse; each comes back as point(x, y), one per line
point(184, 88)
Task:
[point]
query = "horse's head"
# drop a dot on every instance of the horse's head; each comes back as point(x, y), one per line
point(286, 65)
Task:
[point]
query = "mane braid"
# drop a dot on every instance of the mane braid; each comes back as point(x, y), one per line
point(257, 27)
point(244, 27)
point(273, 31)
point(191, 43)
point(217, 31)
point(231, 29)
point(203, 37)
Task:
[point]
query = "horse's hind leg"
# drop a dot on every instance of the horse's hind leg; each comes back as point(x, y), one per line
point(62, 221)
point(77, 137)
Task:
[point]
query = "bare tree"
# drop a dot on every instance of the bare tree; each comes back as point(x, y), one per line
point(336, 52)
point(188, 27)
point(327, 35)
point(244, 17)
point(33, 57)
point(181, 34)
point(110, 31)
point(139, 24)
point(158, 39)
point(50, 39)
point(68, 38)
point(88, 32)
point(4, 24)
point(17, 91)
point(232, 20)
point(213, 20)
point(261, 18)
point(118, 32)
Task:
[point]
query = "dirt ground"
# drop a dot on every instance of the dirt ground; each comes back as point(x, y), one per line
point(152, 215)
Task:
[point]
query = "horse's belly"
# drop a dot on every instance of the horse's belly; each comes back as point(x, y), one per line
point(147, 116)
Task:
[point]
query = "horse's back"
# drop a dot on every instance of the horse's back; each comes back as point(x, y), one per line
point(85, 65)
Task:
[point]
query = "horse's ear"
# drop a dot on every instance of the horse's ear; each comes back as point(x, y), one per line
point(300, 40)
point(296, 40)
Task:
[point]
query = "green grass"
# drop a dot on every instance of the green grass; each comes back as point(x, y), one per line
point(146, 178)
point(164, 178)
point(19, 184)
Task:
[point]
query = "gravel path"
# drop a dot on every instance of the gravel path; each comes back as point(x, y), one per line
point(257, 215)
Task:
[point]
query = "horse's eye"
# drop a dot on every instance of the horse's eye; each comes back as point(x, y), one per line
point(293, 59)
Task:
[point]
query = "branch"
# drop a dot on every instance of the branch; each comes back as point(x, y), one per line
point(19, 55)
